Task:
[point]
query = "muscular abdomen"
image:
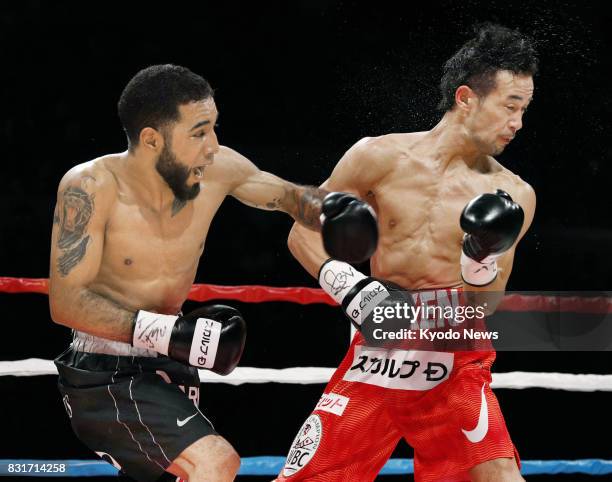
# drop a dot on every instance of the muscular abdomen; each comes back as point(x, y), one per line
point(420, 235)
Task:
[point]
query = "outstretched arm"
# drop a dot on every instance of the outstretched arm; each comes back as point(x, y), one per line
point(347, 225)
point(264, 190)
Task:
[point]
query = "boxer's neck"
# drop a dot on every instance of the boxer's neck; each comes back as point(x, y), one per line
point(451, 142)
point(146, 181)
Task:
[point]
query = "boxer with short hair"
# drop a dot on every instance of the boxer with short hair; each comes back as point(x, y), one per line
point(128, 231)
point(450, 217)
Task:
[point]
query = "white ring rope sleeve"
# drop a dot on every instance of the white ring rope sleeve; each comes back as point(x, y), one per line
point(312, 375)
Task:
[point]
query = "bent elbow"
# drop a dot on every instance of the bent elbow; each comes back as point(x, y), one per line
point(60, 312)
point(57, 316)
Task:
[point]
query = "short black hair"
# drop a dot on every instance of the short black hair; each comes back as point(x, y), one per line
point(476, 63)
point(153, 96)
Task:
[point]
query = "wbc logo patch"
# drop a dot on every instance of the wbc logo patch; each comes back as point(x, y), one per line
point(304, 445)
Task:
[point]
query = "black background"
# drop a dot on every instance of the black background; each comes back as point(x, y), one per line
point(296, 84)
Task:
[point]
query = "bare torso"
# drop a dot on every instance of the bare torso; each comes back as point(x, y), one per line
point(122, 242)
point(419, 204)
point(150, 258)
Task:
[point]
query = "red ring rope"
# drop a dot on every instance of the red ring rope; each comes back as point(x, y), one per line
point(305, 296)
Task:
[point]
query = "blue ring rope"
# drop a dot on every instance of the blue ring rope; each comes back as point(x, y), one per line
point(269, 465)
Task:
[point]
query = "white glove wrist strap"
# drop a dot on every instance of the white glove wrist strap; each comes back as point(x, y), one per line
point(337, 278)
point(479, 273)
point(153, 330)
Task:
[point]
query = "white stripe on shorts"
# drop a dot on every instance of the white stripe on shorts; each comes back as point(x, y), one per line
point(122, 423)
point(145, 425)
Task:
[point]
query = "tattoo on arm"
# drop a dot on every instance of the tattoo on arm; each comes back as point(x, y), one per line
point(73, 217)
point(177, 205)
point(304, 204)
point(275, 204)
point(72, 256)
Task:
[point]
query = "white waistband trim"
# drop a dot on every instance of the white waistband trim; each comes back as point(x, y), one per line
point(93, 344)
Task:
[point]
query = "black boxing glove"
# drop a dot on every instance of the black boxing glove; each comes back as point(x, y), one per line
point(492, 223)
point(211, 337)
point(364, 299)
point(348, 228)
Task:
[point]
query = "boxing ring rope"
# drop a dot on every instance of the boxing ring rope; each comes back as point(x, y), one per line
point(313, 375)
point(306, 296)
point(271, 465)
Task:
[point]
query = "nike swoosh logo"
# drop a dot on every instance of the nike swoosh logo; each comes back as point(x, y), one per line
point(180, 423)
point(482, 427)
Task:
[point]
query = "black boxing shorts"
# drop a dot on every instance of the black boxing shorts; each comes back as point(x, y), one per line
point(137, 413)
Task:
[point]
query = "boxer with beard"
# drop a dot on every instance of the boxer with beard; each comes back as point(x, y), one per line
point(128, 233)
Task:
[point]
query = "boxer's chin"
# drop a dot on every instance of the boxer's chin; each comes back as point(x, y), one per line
point(176, 176)
point(187, 193)
point(194, 191)
point(497, 148)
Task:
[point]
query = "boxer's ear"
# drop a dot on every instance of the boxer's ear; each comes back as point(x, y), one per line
point(151, 139)
point(464, 98)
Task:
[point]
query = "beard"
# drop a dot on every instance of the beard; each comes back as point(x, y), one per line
point(176, 175)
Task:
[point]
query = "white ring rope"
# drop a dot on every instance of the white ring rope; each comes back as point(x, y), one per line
point(312, 375)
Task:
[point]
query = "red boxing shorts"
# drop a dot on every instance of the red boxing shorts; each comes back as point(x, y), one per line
point(440, 402)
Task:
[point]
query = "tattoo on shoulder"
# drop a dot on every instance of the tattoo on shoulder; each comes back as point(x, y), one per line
point(73, 214)
point(177, 205)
